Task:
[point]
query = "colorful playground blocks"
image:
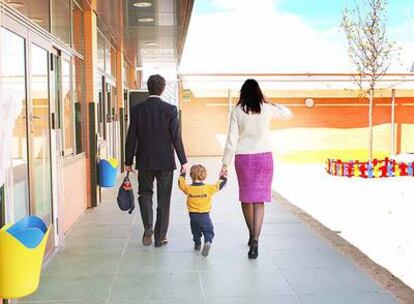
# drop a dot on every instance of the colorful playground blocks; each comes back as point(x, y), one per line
point(22, 248)
point(371, 169)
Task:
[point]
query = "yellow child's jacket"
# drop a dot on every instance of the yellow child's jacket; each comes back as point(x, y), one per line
point(199, 194)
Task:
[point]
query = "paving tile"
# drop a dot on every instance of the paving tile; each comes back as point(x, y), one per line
point(60, 302)
point(293, 242)
point(358, 298)
point(311, 258)
point(286, 229)
point(173, 261)
point(65, 287)
point(222, 261)
point(81, 246)
point(83, 264)
point(156, 286)
point(240, 283)
point(255, 300)
point(330, 281)
point(161, 301)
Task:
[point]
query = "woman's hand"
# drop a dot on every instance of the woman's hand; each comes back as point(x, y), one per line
point(223, 171)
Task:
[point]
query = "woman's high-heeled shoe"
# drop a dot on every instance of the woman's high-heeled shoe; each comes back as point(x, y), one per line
point(249, 243)
point(254, 250)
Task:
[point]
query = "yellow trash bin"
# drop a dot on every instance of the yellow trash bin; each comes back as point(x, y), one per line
point(22, 248)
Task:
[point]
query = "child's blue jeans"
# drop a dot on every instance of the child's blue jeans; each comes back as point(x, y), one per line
point(201, 225)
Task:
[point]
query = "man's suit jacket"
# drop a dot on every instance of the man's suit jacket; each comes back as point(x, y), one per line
point(153, 135)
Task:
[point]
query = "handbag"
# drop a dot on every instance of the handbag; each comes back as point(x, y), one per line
point(126, 198)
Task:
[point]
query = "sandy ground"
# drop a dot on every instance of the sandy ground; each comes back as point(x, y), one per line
point(375, 216)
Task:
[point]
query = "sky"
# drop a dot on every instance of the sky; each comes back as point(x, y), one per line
point(281, 36)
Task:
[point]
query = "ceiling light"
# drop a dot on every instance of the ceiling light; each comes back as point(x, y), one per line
point(142, 4)
point(146, 20)
point(150, 43)
point(148, 51)
point(15, 4)
point(37, 20)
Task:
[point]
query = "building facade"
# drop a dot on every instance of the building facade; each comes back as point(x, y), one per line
point(65, 68)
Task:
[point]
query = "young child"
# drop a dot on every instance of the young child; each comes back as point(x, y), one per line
point(199, 196)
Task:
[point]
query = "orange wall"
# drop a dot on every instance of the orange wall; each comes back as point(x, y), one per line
point(345, 112)
point(74, 192)
point(204, 120)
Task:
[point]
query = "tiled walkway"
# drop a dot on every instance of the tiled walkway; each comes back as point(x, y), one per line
point(104, 262)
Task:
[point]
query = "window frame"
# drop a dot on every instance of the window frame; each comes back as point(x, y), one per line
point(67, 151)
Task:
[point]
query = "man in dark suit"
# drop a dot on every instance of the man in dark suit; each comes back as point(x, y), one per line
point(153, 135)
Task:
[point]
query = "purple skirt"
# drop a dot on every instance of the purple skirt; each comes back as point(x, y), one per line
point(254, 173)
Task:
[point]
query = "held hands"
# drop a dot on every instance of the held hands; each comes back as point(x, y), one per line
point(129, 169)
point(224, 171)
point(184, 168)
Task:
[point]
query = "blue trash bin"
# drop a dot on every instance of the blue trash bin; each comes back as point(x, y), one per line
point(107, 172)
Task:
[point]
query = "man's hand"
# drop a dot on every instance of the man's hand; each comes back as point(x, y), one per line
point(184, 168)
point(129, 169)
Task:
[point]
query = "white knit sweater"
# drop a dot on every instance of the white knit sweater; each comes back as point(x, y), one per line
point(249, 133)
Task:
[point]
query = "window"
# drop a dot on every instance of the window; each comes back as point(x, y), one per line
point(73, 104)
point(108, 55)
point(66, 16)
point(124, 73)
point(36, 10)
point(77, 28)
point(68, 109)
point(113, 62)
point(101, 52)
point(61, 23)
point(79, 102)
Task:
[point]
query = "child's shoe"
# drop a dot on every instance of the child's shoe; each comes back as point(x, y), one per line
point(206, 249)
point(197, 247)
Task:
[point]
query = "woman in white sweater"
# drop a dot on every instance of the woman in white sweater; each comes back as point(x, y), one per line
point(249, 140)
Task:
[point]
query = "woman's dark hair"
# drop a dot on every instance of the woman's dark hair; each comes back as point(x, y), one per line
point(251, 97)
point(156, 84)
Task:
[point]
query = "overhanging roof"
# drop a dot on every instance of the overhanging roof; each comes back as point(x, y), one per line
point(293, 85)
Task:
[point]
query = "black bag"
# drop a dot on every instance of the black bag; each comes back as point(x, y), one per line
point(126, 199)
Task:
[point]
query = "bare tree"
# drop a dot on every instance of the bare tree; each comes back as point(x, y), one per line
point(369, 48)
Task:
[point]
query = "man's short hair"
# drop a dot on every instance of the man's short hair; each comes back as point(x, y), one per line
point(156, 84)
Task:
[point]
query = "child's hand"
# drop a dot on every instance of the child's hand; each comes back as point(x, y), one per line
point(223, 175)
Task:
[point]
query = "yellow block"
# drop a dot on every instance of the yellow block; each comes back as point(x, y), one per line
point(20, 266)
point(357, 172)
point(397, 171)
point(114, 162)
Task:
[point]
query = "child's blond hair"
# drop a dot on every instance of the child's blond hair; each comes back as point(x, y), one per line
point(198, 172)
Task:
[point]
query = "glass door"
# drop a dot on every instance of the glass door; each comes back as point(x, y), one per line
point(39, 124)
point(13, 91)
point(24, 75)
